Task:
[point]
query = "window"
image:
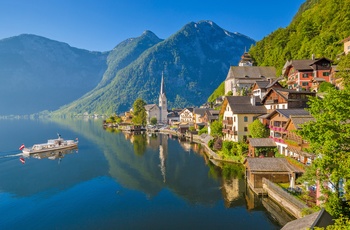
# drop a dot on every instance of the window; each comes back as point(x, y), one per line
point(325, 74)
point(245, 119)
point(325, 64)
point(305, 75)
point(305, 83)
point(245, 129)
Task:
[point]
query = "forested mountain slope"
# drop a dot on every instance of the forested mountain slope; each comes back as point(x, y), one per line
point(195, 60)
point(318, 28)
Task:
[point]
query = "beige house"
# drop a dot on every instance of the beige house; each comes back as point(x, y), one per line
point(238, 112)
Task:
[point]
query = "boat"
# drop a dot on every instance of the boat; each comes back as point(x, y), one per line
point(51, 145)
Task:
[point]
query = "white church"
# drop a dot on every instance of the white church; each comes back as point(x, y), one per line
point(160, 111)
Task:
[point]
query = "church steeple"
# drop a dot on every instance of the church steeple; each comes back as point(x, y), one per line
point(162, 85)
point(162, 102)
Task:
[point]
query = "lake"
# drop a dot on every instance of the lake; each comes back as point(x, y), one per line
point(120, 181)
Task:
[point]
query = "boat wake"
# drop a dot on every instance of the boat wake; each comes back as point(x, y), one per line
point(12, 155)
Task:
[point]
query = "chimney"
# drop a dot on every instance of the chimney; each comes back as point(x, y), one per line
point(313, 56)
point(252, 99)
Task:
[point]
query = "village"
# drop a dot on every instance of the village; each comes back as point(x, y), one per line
point(279, 103)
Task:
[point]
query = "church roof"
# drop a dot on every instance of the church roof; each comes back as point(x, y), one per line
point(251, 72)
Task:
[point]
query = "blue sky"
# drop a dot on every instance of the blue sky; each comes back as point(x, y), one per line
point(100, 25)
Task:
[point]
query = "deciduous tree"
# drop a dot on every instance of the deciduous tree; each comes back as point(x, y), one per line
point(139, 112)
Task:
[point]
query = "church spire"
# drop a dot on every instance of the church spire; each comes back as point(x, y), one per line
point(162, 85)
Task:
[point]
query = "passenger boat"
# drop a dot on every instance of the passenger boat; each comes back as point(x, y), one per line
point(51, 145)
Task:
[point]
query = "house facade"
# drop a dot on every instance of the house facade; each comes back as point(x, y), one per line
point(346, 42)
point(286, 99)
point(304, 73)
point(260, 88)
point(295, 144)
point(238, 112)
point(277, 121)
point(187, 116)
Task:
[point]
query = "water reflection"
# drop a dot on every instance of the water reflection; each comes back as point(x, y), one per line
point(53, 155)
point(152, 163)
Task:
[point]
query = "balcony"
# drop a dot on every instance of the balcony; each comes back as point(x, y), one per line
point(227, 122)
point(229, 131)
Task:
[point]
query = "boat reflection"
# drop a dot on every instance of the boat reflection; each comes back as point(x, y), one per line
point(54, 155)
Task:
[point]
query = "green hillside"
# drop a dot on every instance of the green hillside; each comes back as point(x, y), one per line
point(318, 28)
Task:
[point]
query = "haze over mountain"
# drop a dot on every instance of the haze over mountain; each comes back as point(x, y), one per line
point(194, 60)
point(38, 74)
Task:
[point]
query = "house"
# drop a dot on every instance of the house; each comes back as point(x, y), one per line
point(320, 219)
point(260, 88)
point(346, 42)
point(211, 115)
point(173, 116)
point(198, 117)
point(301, 73)
point(186, 116)
point(277, 170)
point(238, 112)
point(261, 147)
point(295, 144)
point(241, 78)
point(286, 99)
point(277, 121)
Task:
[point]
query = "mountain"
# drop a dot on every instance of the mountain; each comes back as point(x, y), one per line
point(195, 60)
point(38, 74)
point(318, 28)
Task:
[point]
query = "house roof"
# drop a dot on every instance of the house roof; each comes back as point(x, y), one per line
point(300, 120)
point(301, 65)
point(242, 105)
point(287, 113)
point(285, 93)
point(271, 164)
point(200, 111)
point(261, 142)
point(251, 72)
point(318, 219)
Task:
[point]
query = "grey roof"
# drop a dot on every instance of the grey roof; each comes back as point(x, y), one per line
point(271, 164)
point(318, 219)
point(261, 142)
point(200, 111)
point(149, 106)
point(249, 72)
point(242, 105)
point(301, 65)
point(289, 112)
point(299, 120)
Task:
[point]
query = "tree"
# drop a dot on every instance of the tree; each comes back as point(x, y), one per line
point(216, 128)
point(139, 112)
point(329, 138)
point(325, 87)
point(153, 121)
point(257, 129)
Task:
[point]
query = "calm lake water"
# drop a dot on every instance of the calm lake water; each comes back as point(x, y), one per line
point(120, 181)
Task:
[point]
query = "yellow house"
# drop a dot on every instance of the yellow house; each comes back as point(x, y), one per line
point(238, 112)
